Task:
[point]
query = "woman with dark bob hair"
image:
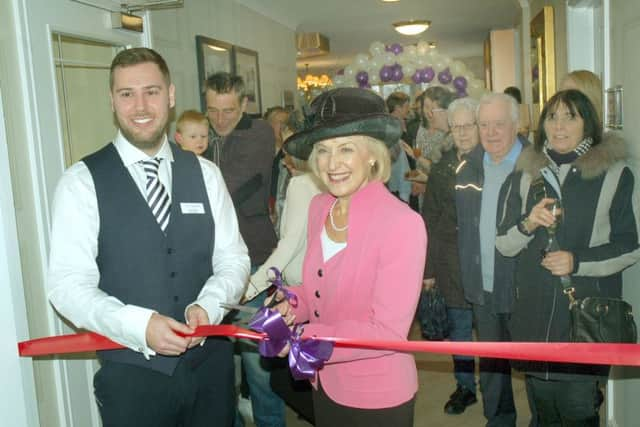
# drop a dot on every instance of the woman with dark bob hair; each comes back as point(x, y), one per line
point(596, 232)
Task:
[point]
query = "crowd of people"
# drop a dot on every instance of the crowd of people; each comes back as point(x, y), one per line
point(152, 238)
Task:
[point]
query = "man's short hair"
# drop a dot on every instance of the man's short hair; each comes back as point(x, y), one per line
point(191, 116)
point(491, 97)
point(395, 100)
point(224, 82)
point(139, 55)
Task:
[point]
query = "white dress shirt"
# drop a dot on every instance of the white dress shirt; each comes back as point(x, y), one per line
point(73, 273)
point(289, 254)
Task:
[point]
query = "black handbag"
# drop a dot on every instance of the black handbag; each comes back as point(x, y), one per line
point(432, 314)
point(600, 319)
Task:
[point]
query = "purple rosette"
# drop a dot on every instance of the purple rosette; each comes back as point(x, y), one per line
point(270, 322)
point(396, 73)
point(307, 356)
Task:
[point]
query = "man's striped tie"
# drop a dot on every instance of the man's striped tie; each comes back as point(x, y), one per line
point(157, 195)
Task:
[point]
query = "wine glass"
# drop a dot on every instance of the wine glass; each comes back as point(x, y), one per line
point(556, 210)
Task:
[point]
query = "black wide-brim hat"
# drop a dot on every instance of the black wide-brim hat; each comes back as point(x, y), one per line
point(343, 112)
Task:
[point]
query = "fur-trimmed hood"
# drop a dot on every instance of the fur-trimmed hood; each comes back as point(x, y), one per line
point(591, 164)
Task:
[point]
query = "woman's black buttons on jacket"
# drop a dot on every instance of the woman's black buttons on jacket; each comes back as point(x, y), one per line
point(172, 274)
point(317, 293)
point(315, 313)
point(320, 273)
point(169, 251)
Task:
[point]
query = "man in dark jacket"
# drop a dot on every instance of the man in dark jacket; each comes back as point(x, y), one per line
point(487, 276)
point(243, 149)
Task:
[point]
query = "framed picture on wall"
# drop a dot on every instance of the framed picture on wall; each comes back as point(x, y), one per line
point(246, 66)
point(213, 56)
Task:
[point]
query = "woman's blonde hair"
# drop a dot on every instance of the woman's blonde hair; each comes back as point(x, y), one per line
point(588, 83)
point(379, 171)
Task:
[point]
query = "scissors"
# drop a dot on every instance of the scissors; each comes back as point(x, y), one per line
point(250, 310)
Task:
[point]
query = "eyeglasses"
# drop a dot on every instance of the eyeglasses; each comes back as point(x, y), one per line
point(497, 125)
point(465, 127)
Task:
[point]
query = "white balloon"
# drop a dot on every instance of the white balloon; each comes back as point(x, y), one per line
point(361, 61)
point(349, 72)
point(338, 80)
point(422, 47)
point(389, 58)
point(446, 61)
point(411, 50)
point(376, 62)
point(438, 65)
point(374, 78)
point(422, 62)
point(476, 84)
point(408, 69)
point(458, 68)
point(376, 48)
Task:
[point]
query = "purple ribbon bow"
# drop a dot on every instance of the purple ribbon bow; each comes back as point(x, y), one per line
point(306, 356)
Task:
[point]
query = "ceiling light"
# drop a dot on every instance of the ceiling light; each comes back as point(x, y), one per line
point(432, 45)
point(412, 28)
point(216, 48)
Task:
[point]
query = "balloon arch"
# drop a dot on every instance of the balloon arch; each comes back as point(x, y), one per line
point(412, 64)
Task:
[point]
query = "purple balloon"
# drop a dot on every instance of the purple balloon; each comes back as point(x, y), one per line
point(387, 48)
point(385, 73)
point(396, 73)
point(417, 77)
point(396, 48)
point(445, 76)
point(362, 78)
point(461, 93)
point(460, 83)
point(428, 74)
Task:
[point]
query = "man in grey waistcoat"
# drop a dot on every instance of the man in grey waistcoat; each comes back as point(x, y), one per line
point(145, 246)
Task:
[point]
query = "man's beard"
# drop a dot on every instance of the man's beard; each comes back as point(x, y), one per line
point(141, 142)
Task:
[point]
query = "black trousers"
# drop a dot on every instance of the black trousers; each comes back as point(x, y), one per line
point(565, 403)
point(203, 396)
point(331, 414)
point(495, 374)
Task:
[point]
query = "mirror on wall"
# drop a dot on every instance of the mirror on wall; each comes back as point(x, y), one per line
point(543, 66)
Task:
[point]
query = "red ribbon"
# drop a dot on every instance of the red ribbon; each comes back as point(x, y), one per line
point(598, 354)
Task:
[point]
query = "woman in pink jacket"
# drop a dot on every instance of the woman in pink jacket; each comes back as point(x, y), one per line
point(364, 262)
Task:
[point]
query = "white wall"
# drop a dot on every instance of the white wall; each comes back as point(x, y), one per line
point(174, 34)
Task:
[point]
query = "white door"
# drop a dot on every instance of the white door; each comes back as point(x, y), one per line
point(56, 39)
point(625, 69)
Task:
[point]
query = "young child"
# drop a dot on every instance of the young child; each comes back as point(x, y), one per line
point(192, 132)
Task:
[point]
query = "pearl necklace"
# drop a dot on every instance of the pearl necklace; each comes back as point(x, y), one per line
point(331, 220)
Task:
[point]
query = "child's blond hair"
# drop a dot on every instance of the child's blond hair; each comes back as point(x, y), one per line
point(191, 116)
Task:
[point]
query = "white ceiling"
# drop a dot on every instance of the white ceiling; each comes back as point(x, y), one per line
point(459, 27)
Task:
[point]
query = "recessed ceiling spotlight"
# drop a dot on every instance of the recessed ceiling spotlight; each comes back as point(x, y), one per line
point(432, 45)
point(413, 27)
